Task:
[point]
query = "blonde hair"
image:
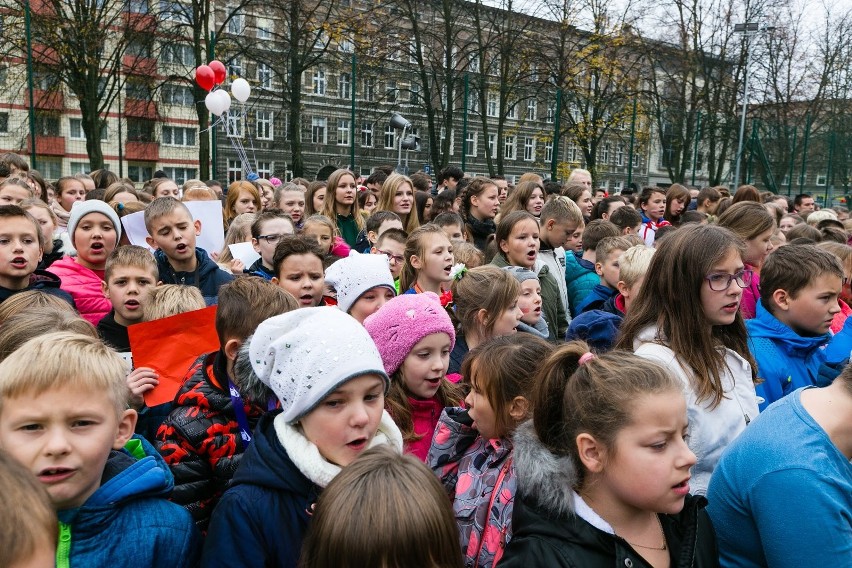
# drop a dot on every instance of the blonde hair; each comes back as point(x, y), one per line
point(65, 360)
point(131, 256)
point(386, 195)
point(486, 288)
point(467, 254)
point(173, 299)
point(19, 328)
point(634, 264)
point(562, 210)
point(815, 217)
point(321, 220)
point(28, 522)
point(607, 245)
point(30, 299)
point(198, 193)
point(240, 225)
point(36, 203)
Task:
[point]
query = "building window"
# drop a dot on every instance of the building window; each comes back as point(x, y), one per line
point(137, 90)
point(319, 131)
point(414, 93)
point(452, 139)
point(548, 152)
point(79, 168)
point(551, 114)
point(821, 179)
point(532, 109)
point(529, 149)
point(470, 144)
point(509, 150)
point(140, 130)
point(75, 129)
point(179, 95)
point(491, 109)
point(235, 123)
point(237, 23)
point(343, 131)
point(390, 91)
point(346, 45)
point(344, 86)
point(136, 6)
point(264, 75)
point(492, 146)
point(180, 175)
point(473, 103)
point(264, 169)
point(319, 82)
point(264, 29)
point(263, 121)
point(175, 11)
point(619, 155)
point(512, 113)
point(235, 171)
point(178, 53)
point(139, 173)
point(572, 153)
point(367, 134)
point(636, 160)
point(4, 122)
point(139, 48)
point(369, 90)
point(178, 136)
point(390, 137)
point(235, 67)
point(473, 62)
point(605, 154)
point(49, 169)
point(617, 186)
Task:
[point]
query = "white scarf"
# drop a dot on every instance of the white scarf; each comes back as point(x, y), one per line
point(307, 457)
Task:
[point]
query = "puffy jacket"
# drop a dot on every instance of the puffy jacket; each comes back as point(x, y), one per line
point(554, 258)
point(580, 277)
point(551, 304)
point(128, 522)
point(207, 276)
point(84, 285)
point(200, 439)
point(840, 317)
point(787, 361)
point(596, 298)
point(43, 281)
point(262, 518)
point(599, 328)
point(711, 429)
point(553, 527)
point(479, 477)
point(751, 294)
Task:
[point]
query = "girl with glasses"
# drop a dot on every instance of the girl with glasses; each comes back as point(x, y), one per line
point(687, 317)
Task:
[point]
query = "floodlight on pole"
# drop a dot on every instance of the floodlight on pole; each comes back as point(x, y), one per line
point(398, 122)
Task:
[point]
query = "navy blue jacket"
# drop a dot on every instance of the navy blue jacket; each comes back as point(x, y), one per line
point(595, 299)
point(207, 277)
point(128, 522)
point(43, 281)
point(262, 519)
point(257, 269)
point(599, 328)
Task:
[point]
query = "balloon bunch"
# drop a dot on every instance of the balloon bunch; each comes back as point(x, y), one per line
point(218, 101)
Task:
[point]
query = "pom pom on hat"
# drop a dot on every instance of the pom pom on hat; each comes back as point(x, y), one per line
point(405, 320)
point(82, 208)
point(520, 273)
point(357, 273)
point(306, 354)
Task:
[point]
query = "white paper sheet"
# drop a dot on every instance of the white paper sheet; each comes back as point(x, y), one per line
point(211, 239)
point(245, 252)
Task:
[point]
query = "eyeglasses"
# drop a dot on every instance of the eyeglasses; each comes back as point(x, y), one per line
point(392, 257)
point(721, 281)
point(272, 239)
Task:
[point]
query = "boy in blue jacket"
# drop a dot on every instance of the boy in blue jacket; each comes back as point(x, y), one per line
point(64, 416)
point(580, 275)
point(790, 337)
point(607, 255)
point(172, 230)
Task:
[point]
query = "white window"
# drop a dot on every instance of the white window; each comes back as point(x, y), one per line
point(139, 173)
point(390, 91)
point(319, 82)
point(492, 146)
point(491, 109)
point(4, 122)
point(344, 85)
point(265, 169)
point(551, 114)
point(49, 169)
point(235, 123)
point(180, 95)
point(367, 134)
point(178, 53)
point(319, 130)
point(512, 113)
point(821, 179)
point(636, 160)
point(175, 11)
point(452, 139)
point(414, 93)
point(529, 149)
point(79, 168)
point(235, 67)
point(263, 124)
point(180, 175)
point(548, 152)
point(346, 45)
point(619, 155)
point(178, 136)
point(412, 51)
point(235, 170)
point(470, 144)
point(532, 108)
point(572, 153)
point(343, 131)
point(369, 90)
point(75, 130)
point(237, 23)
point(618, 186)
point(605, 153)
point(264, 29)
point(390, 137)
point(264, 75)
point(473, 103)
point(473, 62)
point(509, 149)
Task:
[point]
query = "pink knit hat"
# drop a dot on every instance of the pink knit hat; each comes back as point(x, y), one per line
point(402, 322)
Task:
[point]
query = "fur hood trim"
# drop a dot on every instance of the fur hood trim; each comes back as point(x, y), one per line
point(543, 477)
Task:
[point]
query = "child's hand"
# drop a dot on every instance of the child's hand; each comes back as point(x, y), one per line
point(140, 381)
point(214, 255)
point(237, 266)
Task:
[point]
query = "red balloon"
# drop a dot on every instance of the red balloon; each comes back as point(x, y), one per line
point(219, 72)
point(204, 77)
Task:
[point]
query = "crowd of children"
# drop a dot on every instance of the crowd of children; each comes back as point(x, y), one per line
point(473, 375)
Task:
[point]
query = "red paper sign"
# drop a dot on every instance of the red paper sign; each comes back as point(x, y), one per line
point(170, 346)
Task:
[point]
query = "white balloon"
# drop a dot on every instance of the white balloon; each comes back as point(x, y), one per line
point(224, 98)
point(214, 103)
point(241, 89)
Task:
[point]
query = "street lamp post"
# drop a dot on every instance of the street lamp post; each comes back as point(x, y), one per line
point(748, 29)
point(398, 122)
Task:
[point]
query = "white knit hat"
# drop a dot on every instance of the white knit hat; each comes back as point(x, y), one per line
point(82, 208)
point(308, 353)
point(354, 275)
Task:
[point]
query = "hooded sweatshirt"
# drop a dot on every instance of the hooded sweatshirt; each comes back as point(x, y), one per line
point(43, 281)
point(128, 522)
point(580, 278)
point(207, 276)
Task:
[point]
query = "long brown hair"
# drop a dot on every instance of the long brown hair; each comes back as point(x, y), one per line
point(747, 219)
point(520, 197)
point(670, 298)
point(383, 509)
point(486, 288)
point(329, 208)
point(394, 181)
point(416, 245)
point(679, 192)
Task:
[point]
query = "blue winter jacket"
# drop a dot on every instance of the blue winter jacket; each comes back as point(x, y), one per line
point(207, 277)
point(599, 328)
point(262, 519)
point(581, 278)
point(128, 522)
point(787, 361)
point(596, 298)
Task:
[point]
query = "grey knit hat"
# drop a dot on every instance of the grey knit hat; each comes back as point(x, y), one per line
point(521, 273)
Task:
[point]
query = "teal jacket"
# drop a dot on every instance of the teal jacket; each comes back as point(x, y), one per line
point(581, 278)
